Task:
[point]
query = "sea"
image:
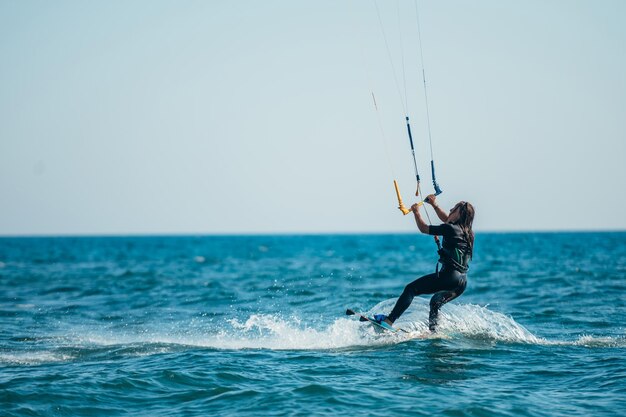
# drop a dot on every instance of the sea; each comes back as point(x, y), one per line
point(257, 326)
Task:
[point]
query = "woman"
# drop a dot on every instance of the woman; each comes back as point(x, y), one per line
point(457, 250)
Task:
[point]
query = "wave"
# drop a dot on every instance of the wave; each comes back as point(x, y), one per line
point(34, 357)
point(598, 341)
point(458, 323)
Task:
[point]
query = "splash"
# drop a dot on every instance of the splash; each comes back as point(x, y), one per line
point(459, 323)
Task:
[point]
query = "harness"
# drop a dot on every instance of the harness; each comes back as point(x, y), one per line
point(457, 259)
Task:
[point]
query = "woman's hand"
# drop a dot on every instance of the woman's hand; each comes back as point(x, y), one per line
point(431, 199)
point(423, 227)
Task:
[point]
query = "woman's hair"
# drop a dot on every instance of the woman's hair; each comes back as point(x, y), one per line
point(466, 217)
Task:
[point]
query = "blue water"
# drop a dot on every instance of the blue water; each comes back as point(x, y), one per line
point(172, 326)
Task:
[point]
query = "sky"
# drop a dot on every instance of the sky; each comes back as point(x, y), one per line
point(214, 117)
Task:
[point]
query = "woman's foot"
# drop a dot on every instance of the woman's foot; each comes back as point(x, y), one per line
point(382, 318)
point(379, 318)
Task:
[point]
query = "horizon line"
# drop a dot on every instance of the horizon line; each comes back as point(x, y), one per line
point(286, 234)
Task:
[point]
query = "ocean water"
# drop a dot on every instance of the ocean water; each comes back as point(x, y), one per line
point(256, 326)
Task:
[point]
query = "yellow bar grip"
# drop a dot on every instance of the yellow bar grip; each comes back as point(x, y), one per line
point(403, 209)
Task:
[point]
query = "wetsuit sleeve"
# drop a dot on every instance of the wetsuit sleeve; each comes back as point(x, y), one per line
point(441, 230)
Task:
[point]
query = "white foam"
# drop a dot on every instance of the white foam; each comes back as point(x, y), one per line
point(33, 358)
point(600, 341)
point(457, 322)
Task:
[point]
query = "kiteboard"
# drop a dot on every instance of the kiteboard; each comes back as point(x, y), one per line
point(376, 324)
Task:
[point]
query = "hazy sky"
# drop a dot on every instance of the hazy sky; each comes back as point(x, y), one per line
point(256, 116)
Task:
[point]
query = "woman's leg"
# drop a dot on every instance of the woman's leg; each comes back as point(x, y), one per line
point(438, 300)
point(424, 285)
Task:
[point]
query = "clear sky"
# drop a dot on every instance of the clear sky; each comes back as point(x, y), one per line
point(256, 116)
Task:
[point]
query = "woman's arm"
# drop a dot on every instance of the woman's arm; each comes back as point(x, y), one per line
point(421, 225)
point(432, 200)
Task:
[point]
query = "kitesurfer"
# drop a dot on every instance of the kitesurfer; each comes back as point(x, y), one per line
point(457, 250)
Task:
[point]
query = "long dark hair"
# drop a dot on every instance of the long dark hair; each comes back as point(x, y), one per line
point(465, 220)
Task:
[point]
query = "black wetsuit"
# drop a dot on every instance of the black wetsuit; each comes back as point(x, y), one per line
point(448, 283)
